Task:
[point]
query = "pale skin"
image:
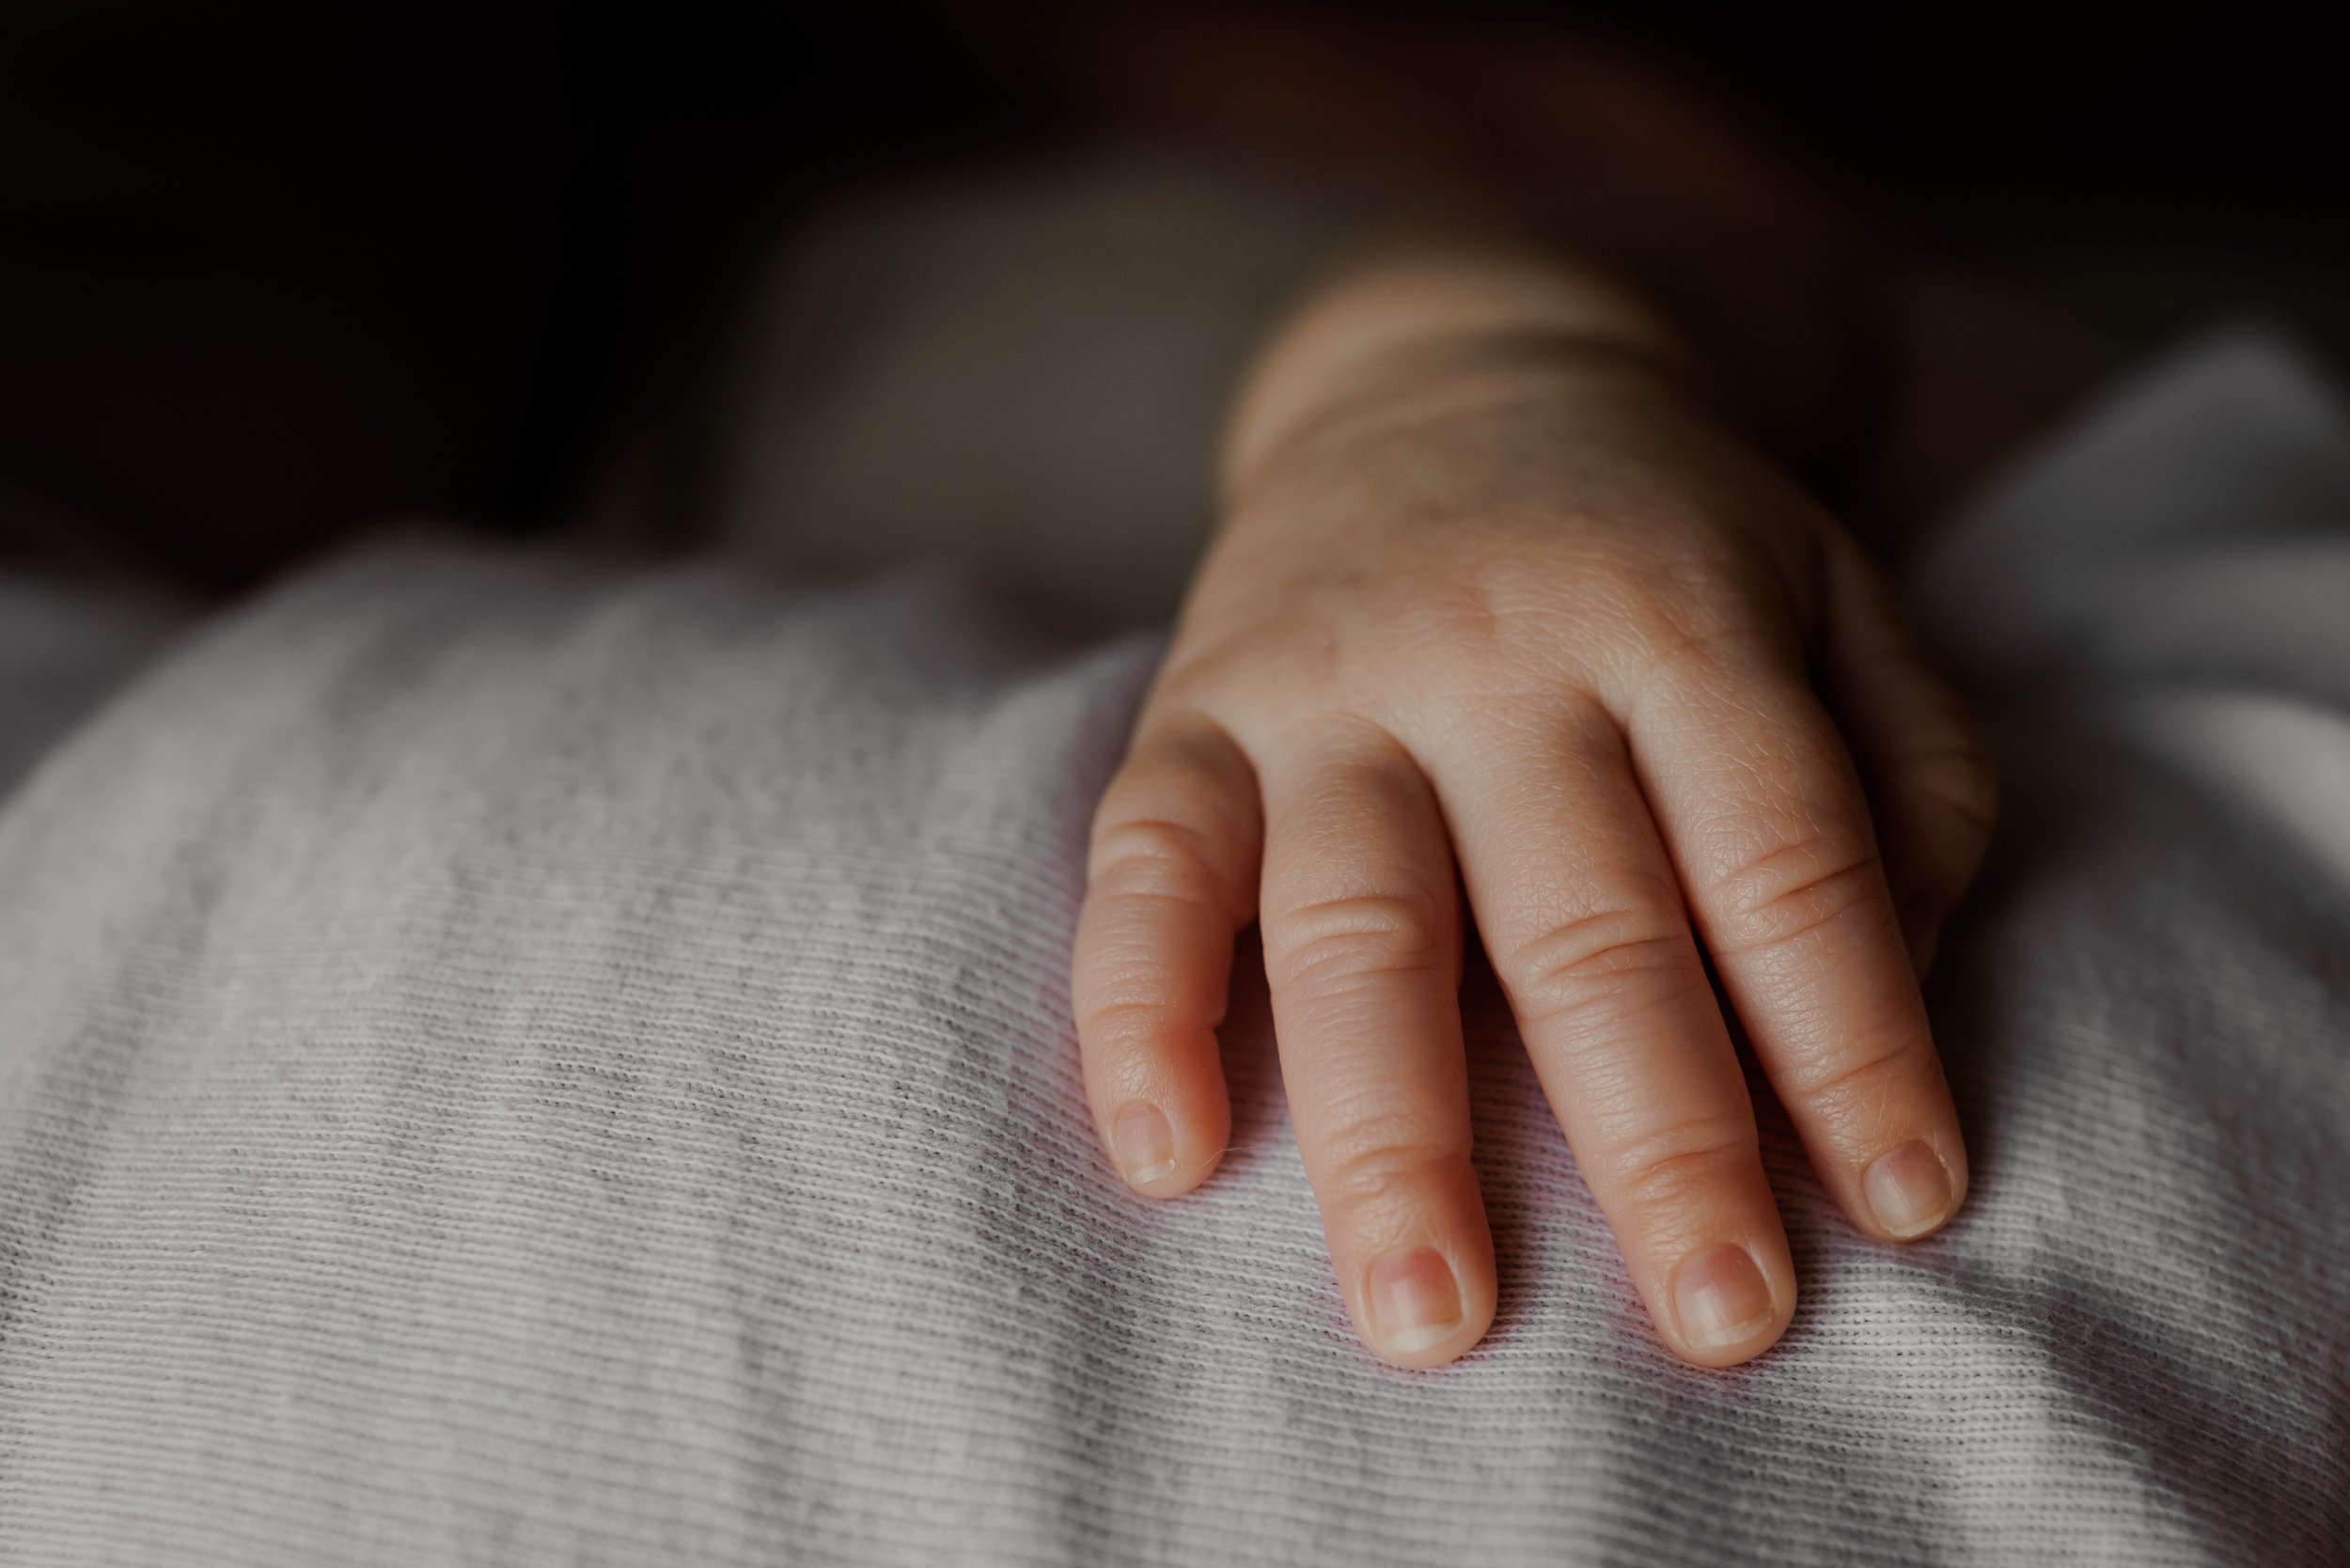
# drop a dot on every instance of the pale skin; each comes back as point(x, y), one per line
point(1504, 626)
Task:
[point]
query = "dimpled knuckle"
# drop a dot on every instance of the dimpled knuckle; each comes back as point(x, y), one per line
point(1694, 656)
point(1792, 893)
point(1226, 668)
point(1153, 856)
point(1345, 939)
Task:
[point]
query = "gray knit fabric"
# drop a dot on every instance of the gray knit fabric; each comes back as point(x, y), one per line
point(63, 649)
point(505, 1065)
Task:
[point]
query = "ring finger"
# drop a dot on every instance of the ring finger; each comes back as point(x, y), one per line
point(1582, 916)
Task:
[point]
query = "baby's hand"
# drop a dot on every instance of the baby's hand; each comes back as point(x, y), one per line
point(1496, 598)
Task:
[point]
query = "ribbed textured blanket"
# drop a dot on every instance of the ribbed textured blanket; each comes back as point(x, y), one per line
point(502, 1064)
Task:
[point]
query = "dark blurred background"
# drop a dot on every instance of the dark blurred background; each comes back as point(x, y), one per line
point(267, 271)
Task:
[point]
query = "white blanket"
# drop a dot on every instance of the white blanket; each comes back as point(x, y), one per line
point(505, 1066)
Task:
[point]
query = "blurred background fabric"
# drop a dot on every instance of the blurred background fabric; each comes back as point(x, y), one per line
point(1023, 370)
point(268, 272)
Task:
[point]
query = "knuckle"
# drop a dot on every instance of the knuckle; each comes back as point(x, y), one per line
point(1115, 1018)
point(1468, 614)
point(1701, 610)
point(1358, 935)
point(1697, 656)
point(1493, 609)
point(1381, 1162)
point(1677, 1167)
point(1874, 1066)
point(1793, 892)
point(1602, 963)
point(1243, 662)
point(1154, 855)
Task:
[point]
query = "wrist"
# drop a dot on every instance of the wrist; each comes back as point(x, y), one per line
point(1423, 334)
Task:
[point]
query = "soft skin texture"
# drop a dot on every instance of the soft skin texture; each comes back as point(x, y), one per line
point(1500, 609)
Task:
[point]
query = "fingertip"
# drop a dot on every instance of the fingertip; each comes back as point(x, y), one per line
point(1912, 1191)
point(1176, 1183)
point(1420, 1309)
point(1728, 1304)
point(1162, 1157)
point(1416, 1264)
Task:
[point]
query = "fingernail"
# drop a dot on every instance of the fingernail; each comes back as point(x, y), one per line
point(1415, 1301)
point(1908, 1190)
point(1144, 1144)
point(1721, 1298)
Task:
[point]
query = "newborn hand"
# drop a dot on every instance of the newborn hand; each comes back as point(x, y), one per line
point(1498, 609)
